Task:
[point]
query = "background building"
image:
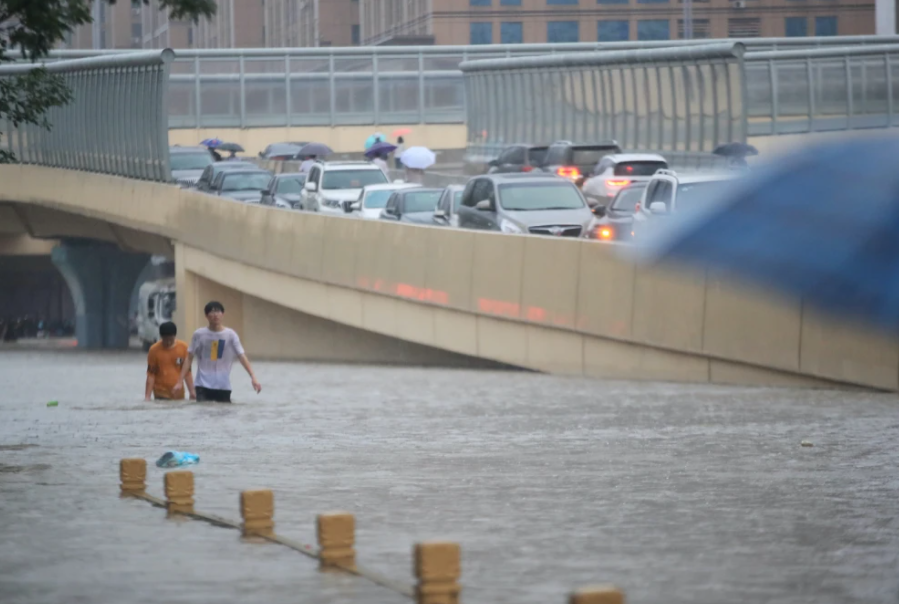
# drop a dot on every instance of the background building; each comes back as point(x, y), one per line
point(159, 31)
point(538, 21)
point(236, 24)
point(115, 26)
point(293, 23)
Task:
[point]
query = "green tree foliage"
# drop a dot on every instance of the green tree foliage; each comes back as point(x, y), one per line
point(30, 29)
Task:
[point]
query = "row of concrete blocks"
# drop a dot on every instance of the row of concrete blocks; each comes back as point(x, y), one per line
point(437, 564)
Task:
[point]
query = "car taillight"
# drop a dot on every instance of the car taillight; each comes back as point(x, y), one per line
point(527, 168)
point(617, 183)
point(569, 172)
point(605, 232)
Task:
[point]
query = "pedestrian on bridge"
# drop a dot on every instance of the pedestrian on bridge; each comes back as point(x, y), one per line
point(216, 347)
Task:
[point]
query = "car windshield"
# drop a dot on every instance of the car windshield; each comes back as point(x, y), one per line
point(352, 179)
point(377, 199)
point(246, 182)
point(628, 199)
point(421, 201)
point(536, 156)
point(639, 168)
point(189, 161)
point(291, 185)
point(589, 157)
point(698, 194)
point(540, 196)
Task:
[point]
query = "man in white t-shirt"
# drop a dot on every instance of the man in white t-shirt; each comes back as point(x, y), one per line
point(215, 348)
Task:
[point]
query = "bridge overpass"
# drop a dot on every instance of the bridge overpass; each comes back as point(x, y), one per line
point(312, 287)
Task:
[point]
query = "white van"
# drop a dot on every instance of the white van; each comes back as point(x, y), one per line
point(155, 306)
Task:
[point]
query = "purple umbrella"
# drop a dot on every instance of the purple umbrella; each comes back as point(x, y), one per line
point(382, 148)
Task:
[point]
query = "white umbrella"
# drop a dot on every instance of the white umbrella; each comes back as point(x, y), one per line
point(418, 158)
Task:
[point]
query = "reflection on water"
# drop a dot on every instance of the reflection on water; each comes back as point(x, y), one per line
point(677, 493)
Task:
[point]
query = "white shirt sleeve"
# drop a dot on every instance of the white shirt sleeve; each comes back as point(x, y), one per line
point(235, 341)
point(194, 343)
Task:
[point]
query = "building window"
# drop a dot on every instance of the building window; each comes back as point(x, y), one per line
point(796, 27)
point(562, 31)
point(355, 35)
point(612, 1)
point(561, 1)
point(825, 26)
point(481, 33)
point(479, 2)
point(511, 33)
point(701, 29)
point(510, 2)
point(653, 29)
point(744, 28)
point(613, 31)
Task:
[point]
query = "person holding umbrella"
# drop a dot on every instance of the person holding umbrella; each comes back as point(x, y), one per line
point(417, 160)
point(378, 153)
point(400, 148)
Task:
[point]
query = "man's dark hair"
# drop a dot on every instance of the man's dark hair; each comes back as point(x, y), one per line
point(168, 329)
point(213, 306)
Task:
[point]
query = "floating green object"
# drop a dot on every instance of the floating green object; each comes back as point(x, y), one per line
point(53, 404)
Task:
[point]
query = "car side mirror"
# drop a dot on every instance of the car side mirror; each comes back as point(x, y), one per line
point(599, 211)
point(484, 205)
point(440, 213)
point(356, 206)
point(658, 207)
point(311, 187)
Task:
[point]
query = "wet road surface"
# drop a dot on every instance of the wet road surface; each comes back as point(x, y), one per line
point(676, 493)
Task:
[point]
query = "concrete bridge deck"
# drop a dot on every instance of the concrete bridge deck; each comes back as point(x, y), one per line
point(313, 287)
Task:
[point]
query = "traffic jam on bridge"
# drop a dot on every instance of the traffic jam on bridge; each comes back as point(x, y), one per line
point(591, 191)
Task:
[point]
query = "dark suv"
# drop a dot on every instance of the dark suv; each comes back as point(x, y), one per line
point(518, 158)
point(575, 161)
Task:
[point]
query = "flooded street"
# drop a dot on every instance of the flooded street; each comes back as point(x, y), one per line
point(675, 493)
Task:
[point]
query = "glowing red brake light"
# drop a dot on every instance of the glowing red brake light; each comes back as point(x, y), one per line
point(617, 183)
point(569, 172)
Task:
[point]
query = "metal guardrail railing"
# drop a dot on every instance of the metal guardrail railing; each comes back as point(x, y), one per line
point(672, 100)
point(269, 87)
point(116, 122)
point(689, 98)
point(822, 89)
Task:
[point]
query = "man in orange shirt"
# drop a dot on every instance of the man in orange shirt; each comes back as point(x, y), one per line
point(164, 363)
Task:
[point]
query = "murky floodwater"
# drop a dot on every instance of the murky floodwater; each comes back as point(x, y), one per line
point(679, 494)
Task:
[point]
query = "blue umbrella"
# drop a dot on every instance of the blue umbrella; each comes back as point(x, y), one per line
point(212, 143)
point(377, 137)
point(821, 223)
point(379, 148)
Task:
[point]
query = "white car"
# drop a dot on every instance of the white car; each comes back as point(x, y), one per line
point(331, 186)
point(615, 172)
point(667, 193)
point(373, 198)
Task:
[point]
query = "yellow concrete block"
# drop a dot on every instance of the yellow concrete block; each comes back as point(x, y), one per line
point(133, 475)
point(179, 492)
point(336, 539)
point(600, 594)
point(438, 566)
point(257, 508)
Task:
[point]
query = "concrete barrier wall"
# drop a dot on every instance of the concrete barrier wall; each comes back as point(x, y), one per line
point(565, 306)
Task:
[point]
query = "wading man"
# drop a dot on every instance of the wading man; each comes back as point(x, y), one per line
point(216, 347)
point(165, 365)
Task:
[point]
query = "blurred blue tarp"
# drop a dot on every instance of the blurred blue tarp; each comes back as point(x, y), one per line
point(821, 223)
